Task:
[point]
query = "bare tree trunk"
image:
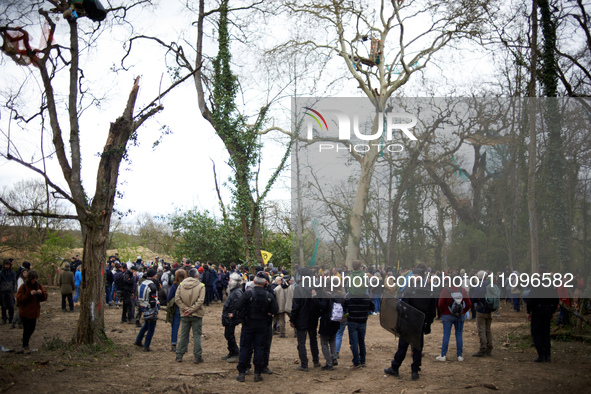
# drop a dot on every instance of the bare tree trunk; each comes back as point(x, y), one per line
point(359, 204)
point(91, 327)
point(91, 324)
point(299, 214)
point(531, 199)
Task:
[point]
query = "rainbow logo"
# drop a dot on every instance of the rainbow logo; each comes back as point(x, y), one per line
point(316, 119)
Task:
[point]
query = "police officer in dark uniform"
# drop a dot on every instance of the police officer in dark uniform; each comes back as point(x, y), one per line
point(421, 298)
point(255, 307)
point(541, 305)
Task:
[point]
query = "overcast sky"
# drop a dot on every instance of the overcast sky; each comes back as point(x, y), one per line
point(177, 173)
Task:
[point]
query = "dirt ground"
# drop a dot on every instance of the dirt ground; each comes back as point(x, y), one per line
point(60, 367)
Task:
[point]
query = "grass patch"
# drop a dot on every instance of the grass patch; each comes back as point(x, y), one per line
point(104, 348)
point(520, 341)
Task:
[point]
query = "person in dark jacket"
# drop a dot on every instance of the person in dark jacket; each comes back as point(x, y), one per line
point(127, 293)
point(7, 291)
point(67, 286)
point(255, 307)
point(208, 282)
point(109, 281)
point(358, 308)
point(304, 318)
point(541, 305)
point(29, 297)
point(149, 326)
point(483, 317)
point(230, 318)
point(328, 329)
point(423, 299)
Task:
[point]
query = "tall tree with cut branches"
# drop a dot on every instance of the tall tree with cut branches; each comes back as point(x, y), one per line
point(93, 212)
point(381, 53)
point(217, 95)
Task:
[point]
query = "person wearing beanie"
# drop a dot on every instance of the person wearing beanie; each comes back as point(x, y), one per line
point(256, 307)
point(230, 318)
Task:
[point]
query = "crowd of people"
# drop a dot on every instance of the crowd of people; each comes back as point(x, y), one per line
point(265, 300)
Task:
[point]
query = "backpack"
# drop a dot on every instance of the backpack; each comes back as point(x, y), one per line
point(258, 306)
point(119, 283)
point(492, 298)
point(457, 306)
point(170, 311)
point(165, 278)
point(143, 297)
point(337, 312)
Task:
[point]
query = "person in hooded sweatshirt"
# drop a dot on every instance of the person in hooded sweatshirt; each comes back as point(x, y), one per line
point(189, 298)
point(230, 319)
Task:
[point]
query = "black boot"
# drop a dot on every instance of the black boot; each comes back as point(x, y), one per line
point(392, 371)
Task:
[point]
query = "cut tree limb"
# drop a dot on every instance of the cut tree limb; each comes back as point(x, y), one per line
point(204, 373)
point(575, 313)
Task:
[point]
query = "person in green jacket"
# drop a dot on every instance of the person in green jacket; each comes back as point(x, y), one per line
point(66, 283)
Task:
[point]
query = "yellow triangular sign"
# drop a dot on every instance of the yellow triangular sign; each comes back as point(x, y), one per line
point(266, 256)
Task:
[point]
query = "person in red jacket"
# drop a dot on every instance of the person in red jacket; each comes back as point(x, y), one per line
point(453, 304)
point(564, 296)
point(29, 297)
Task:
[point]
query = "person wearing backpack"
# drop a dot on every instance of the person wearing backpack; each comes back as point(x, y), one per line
point(148, 301)
point(453, 303)
point(487, 298)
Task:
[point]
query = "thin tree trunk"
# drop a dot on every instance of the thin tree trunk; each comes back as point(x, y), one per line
point(531, 192)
